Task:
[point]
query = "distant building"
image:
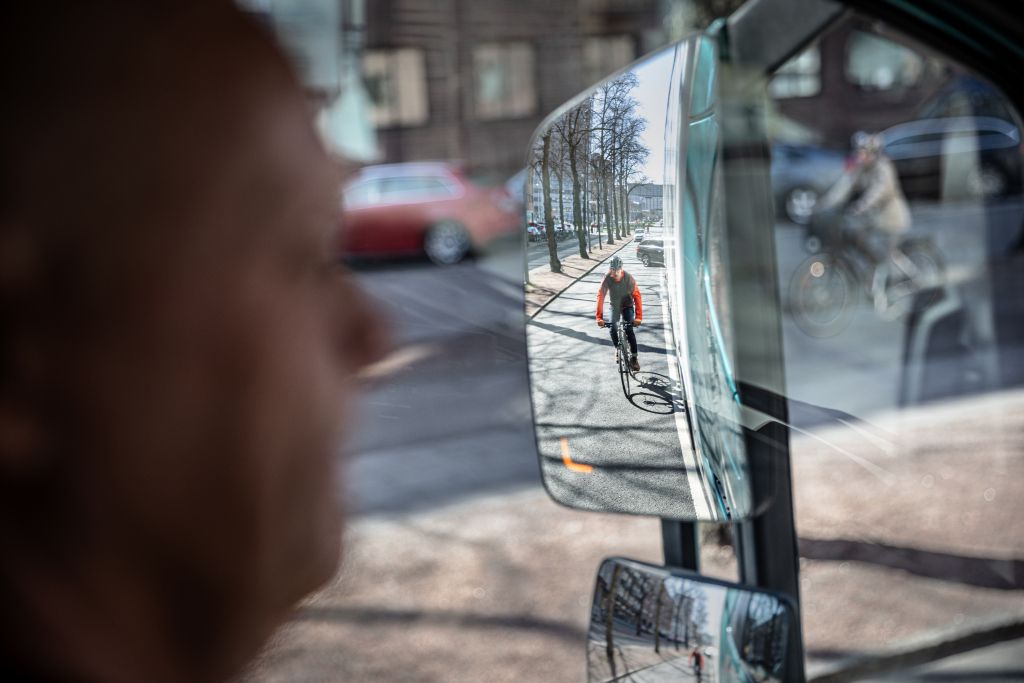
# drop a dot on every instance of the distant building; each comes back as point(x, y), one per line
point(855, 78)
point(458, 79)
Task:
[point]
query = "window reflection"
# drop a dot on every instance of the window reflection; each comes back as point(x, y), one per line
point(903, 343)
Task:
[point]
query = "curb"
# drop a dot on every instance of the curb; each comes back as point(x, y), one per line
point(582, 275)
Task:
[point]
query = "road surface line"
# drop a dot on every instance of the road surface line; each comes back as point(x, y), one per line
point(569, 464)
point(698, 493)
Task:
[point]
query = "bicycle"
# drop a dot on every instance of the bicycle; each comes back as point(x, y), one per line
point(623, 354)
point(822, 290)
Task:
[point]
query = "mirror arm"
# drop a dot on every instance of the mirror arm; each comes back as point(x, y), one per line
point(681, 544)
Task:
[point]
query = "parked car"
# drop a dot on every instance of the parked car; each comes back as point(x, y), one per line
point(956, 157)
point(651, 252)
point(564, 231)
point(638, 236)
point(801, 173)
point(428, 207)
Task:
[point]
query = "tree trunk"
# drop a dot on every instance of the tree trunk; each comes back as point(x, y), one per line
point(607, 210)
point(549, 233)
point(580, 236)
point(615, 209)
point(561, 194)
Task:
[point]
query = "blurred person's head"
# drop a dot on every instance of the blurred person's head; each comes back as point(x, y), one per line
point(867, 147)
point(176, 347)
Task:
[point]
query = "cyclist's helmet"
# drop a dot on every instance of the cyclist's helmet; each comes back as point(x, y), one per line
point(615, 263)
point(867, 142)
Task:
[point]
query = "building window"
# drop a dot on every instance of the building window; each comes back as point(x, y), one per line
point(503, 76)
point(876, 63)
point(604, 55)
point(799, 77)
point(397, 84)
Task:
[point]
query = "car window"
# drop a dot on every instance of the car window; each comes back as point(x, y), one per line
point(365, 192)
point(417, 187)
point(903, 297)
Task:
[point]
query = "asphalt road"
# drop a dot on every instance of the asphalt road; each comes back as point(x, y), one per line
point(452, 420)
point(601, 450)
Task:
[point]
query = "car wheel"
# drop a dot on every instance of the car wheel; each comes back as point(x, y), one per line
point(800, 204)
point(645, 259)
point(447, 243)
point(986, 181)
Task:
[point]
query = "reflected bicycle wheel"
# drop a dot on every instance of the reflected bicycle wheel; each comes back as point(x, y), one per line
point(822, 294)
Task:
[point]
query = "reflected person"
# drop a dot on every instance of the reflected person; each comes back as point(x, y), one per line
point(869, 191)
point(624, 298)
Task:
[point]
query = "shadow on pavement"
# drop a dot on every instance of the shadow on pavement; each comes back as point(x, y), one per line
point(981, 572)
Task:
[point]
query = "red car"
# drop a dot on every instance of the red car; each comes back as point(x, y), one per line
point(423, 207)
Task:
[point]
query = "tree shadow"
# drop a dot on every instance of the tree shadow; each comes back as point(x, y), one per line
point(981, 572)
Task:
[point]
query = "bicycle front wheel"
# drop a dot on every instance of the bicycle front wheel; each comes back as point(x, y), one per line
point(822, 294)
point(624, 371)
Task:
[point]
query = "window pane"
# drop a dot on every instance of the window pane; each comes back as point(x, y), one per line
point(799, 77)
point(504, 80)
point(904, 352)
point(879, 63)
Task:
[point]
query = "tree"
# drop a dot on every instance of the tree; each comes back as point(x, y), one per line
point(549, 220)
point(573, 130)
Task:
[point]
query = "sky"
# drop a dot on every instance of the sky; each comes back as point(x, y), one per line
point(653, 73)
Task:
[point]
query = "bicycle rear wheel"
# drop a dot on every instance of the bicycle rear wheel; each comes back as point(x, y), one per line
point(921, 286)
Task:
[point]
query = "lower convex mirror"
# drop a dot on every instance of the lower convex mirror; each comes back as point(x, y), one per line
point(650, 624)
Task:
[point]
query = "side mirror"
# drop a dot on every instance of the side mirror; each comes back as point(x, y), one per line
point(662, 435)
point(651, 624)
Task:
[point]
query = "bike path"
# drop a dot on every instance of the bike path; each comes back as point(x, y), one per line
point(598, 448)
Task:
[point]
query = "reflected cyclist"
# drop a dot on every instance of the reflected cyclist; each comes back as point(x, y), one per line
point(697, 662)
point(624, 297)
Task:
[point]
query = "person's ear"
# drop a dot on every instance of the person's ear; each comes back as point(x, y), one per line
point(21, 428)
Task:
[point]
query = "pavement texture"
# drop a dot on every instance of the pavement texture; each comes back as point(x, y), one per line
point(599, 449)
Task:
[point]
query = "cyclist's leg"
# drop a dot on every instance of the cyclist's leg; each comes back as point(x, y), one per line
point(611, 327)
point(630, 315)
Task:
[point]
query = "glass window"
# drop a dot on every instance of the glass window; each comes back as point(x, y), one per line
point(364, 193)
point(877, 63)
point(799, 77)
point(397, 85)
point(604, 55)
point(504, 81)
point(417, 187)
point(904, 360)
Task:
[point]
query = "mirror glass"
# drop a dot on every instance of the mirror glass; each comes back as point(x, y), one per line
point(649, 624)
point(634, 403)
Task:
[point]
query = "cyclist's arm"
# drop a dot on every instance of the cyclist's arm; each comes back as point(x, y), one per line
point(881, 190)
point(637, 302)
point(600, 301)
point(840, 192)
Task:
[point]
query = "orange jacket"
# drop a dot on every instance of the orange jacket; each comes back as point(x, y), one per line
point(605, 286)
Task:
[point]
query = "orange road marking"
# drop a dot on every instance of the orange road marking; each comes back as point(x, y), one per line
point(569, 464)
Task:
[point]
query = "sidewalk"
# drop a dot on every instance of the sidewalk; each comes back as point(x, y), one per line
point(545, 285)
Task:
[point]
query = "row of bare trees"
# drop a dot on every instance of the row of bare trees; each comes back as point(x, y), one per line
point(595, 148)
